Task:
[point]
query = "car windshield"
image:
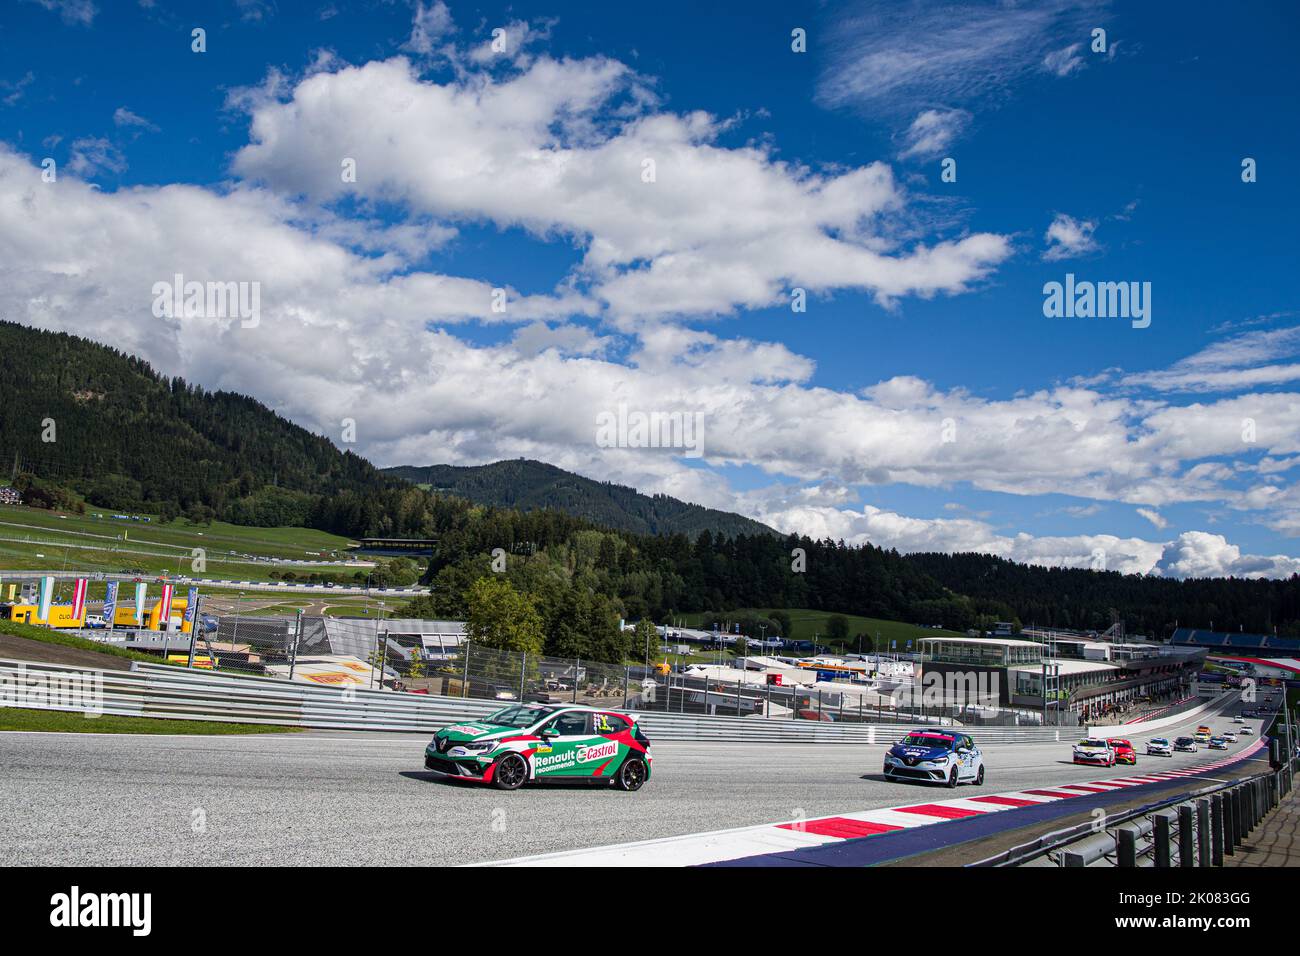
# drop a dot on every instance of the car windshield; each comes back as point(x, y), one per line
point(1184, 740)
point(1117, 742)
point(1092, 743)
point(517, 716)
point(927, 740)
point(1160, 741)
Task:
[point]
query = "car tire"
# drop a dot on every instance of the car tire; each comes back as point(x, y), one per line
point(511, 772)
point(979, 777)
point(631, 775)
point(952, 779)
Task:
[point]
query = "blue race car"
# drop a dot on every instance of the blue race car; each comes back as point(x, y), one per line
point(935, 756)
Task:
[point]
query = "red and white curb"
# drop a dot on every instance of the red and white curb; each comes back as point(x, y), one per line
point(719, 845)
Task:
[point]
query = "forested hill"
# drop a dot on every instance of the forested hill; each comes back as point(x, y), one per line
point(1080, 598)
point(530, 485)
point(85, 417)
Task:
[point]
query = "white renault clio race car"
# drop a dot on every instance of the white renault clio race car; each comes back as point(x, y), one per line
point(1159, 747)
point(1094, 750)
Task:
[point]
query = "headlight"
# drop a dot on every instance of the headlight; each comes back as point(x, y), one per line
point(939, 761)
point(479, 745)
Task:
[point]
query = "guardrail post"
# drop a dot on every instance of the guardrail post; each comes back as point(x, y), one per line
point(1186, 837)
point(464, 683)
point(577, 668)
point(1229, 823)
point(1216, 830)
point(1203, 832)
point(1162, 841)
point(1127, 847)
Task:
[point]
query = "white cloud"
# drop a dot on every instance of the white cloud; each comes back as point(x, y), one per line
point(932, 132)
point(1247, 360)
point(11, 91)
point(90, 156)
point(1199, 554)
point(1191, 554)
point(717, 229)
point(429, 25)
point(1068, 238)
point(74, 12)
point(125, 118)
point(912, 54)
point(1064, 61)
point(1154, 517)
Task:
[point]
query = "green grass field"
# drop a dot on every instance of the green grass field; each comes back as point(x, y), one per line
point(58, 721)
point(35, 539)
point(807, 624)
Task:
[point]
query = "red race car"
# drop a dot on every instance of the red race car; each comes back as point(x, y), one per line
point(1124, 752)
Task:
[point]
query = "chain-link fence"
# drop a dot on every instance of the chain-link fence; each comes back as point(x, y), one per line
point(435, 658)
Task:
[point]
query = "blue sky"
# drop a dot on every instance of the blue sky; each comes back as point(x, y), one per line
point(1082, 441)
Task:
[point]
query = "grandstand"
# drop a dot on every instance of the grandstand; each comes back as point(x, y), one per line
point(1259, 645)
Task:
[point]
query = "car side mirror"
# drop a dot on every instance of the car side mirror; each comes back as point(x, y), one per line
point(550, 732)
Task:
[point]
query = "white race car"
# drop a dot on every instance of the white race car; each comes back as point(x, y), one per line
point(1094, 750)
point(1159, 747)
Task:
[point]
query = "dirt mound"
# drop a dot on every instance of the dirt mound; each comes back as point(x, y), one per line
point(22, 649)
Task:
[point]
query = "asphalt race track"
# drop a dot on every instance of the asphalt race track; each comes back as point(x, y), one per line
point(88, 799)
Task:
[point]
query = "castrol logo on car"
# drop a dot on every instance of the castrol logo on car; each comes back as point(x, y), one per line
point(597, 752)
point(470, 729)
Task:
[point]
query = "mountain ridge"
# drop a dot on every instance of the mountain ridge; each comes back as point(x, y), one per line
point(529, 485)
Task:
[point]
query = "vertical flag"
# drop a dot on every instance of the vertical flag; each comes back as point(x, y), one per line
point(44, 598)
point(110, 603)
point(191, 605)
point(165, 607)
point(79, 598)
point(139, 603)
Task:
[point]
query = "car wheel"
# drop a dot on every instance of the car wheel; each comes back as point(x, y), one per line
point(511, 772)
point(631, 775)
point(979, 777)
point(952, 779)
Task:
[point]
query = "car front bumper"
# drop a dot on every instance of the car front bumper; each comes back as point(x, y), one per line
point(1098, 760)
point(460, 767)
point(927, 772)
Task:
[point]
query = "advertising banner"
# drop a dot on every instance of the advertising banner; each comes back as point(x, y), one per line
point(44, 598)
point(110, 602)
point(79, 598)
point(140, 590)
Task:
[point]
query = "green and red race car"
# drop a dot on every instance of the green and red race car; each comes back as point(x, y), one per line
point(543, 743)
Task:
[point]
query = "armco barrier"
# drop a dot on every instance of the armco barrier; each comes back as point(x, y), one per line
point(156, 690)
